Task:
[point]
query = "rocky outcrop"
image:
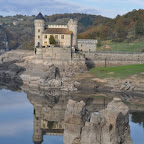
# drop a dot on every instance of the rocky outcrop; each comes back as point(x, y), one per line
point(75, 117)
point(110, 126)
point(25, 67)
point(4, 43)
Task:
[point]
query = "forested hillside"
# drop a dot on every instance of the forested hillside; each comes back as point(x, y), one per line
point(128, 28)
point(18, 31)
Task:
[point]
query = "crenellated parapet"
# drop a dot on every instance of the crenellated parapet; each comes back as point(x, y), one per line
point(72, 22)
point(57, 26)
point(89, 41)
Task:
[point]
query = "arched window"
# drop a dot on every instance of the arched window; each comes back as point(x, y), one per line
point(38, 36)
point(38, 30)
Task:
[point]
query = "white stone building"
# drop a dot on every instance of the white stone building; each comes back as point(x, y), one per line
point(65, 35)
point(87, 45)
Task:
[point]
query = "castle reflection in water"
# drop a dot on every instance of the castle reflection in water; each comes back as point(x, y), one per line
point(49, 109)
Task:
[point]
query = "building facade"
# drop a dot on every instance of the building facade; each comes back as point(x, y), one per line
point(87, 45)
point(64, 35)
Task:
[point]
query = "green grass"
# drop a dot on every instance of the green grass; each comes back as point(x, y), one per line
point(129, 47)
point(124, 47)
point(118, 71)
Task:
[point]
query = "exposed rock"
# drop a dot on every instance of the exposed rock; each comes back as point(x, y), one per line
point(38, 73)
point(110, 126)
point(127, 86)
point(74, 121)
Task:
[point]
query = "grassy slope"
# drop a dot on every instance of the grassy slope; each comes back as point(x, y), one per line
point(118, 71)
point(125, 47)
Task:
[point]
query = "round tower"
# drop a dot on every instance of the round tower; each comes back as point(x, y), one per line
point(72, 25)
point(39, 24)
point(37, 132)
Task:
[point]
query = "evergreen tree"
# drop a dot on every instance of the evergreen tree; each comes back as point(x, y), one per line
point(52, 40)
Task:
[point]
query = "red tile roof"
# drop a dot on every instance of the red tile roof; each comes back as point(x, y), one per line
point(57, 31)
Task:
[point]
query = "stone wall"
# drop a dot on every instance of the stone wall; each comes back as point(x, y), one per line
point(97, 59)
point(100, 59)
point(54, 53)
point(59, 54)
point(87, 45)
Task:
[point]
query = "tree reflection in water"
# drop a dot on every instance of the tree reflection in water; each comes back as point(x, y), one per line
point(138, 117)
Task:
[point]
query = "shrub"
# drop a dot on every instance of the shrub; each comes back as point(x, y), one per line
point(52, 40)
point(99, 43)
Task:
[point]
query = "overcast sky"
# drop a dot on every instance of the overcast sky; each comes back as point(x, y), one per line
point(108, 8)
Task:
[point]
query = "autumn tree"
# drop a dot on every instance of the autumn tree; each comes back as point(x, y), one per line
point(139, 28)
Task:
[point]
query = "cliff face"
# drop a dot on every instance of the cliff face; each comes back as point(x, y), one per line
point(4, 43)
point(110, 126)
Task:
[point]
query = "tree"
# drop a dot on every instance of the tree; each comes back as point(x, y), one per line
point(99, 43)
point(139, 29)
point(121, 32)
point(52, 40)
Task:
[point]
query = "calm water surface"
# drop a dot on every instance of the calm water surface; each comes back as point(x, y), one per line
point(16, 121)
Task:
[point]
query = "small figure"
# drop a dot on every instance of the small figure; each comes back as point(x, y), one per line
point(125, 83)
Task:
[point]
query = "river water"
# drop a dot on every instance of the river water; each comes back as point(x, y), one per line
point(17, 114)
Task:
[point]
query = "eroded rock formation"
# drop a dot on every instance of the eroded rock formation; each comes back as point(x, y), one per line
point(24, 67)
point(110, 126)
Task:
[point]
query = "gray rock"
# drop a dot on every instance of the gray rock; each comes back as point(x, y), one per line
point(110, 126)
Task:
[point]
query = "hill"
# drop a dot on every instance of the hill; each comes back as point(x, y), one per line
point(125, 28)
point(19, 29)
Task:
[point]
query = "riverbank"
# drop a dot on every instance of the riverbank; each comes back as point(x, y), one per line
point(24, 68)
point(122, 79)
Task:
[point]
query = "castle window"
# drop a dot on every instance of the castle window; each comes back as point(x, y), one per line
point(56, 36)
point(38, 36)
point(38, 30)
point(45, 36)
point(62, 36)
point(45, 42)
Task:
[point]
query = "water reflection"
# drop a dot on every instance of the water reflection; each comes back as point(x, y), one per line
point(137, 127)
point(47, 114)
point(138, 118)
point(16, 124)
point(49, 111)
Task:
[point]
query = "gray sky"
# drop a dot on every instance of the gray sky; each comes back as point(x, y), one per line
point(108, 8)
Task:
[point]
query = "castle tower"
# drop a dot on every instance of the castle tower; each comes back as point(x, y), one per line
point(37, 132)
point(39, 24)
point(72, 25)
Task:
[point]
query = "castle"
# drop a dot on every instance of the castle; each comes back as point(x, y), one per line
point(65, 37)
